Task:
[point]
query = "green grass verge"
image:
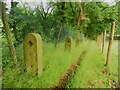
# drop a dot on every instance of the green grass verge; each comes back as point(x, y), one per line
point(88, 74)
point(55, 64)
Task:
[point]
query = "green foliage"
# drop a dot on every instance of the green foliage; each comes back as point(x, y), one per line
point(47, 20)
point(100, 16)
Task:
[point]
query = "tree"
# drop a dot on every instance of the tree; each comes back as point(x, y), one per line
point(8, 34)
point(14, 20)
point(100, 15)
point(63, 6)
point(81, 15)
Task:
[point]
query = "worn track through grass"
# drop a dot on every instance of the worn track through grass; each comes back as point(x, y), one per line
point(64, 79)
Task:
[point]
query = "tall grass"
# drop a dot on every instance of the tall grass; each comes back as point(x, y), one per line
point(55, 61)
point(89, 73)
point(55, 64)
point(113, 67)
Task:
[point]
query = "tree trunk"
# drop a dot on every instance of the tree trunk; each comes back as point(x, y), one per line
point(61, 27)
point(62, 19)
point(13, 5)
point(80, 18)
point(111, 37)
point(104, 40)
point(79, 21)
point(8, 34)
point(80, 15)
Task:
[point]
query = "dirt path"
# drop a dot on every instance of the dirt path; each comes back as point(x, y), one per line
point(64, 79)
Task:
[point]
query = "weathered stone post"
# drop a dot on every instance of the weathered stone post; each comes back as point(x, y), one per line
point(33, 53)
point(68, 44)
point(78, 41)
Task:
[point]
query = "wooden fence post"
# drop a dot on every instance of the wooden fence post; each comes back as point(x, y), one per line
point(111, 37)
point(104, 40)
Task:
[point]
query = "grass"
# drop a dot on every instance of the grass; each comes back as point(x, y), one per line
point(113, 67)
point(89, 70)
point(89, 75)
point(55, 64)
